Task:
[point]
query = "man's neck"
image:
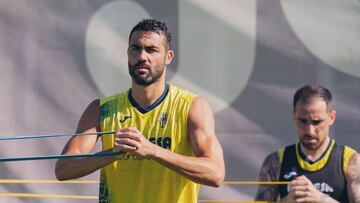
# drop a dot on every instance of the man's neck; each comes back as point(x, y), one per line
point(147, 95)
point(314, 155)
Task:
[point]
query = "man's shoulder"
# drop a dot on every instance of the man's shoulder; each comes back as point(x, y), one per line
point(349, 154)
point(114, 97)
point(279, 154)
point(284, 147)
point(179, 89)
point(348, 151)
point(274, 156)
point(347, 148)
point(180, 93)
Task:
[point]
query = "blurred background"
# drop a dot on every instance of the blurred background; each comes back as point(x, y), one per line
point(247, 57)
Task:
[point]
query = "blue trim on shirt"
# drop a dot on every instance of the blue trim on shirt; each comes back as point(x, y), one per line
point(153, 105)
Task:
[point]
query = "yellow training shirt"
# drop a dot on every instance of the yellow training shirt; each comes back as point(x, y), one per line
point(139, 180)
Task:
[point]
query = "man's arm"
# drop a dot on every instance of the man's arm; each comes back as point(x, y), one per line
point(207, 167)
point(210, 167)
point(270, 171)
point(353, 178)
point(78, 167)
point(303, 190)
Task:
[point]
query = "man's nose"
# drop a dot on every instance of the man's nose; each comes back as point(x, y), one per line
point(311, 129)
point(143, 55)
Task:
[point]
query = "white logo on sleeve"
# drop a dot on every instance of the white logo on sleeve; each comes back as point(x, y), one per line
point(290, 175)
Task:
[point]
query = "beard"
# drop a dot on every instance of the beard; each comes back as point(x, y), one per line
point(145, 79)
point(312, 146)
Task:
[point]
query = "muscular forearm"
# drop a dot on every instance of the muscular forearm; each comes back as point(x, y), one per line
point(323, 199)
point(327, 199)
point(202, 170)
point(66, 169)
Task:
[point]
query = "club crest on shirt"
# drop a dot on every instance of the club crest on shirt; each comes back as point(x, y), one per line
point(163, 119)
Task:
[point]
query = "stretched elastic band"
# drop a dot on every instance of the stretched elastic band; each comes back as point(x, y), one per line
point(65, 156)
point(54, 135)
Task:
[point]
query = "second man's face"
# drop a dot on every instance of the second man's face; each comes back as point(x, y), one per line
point(313, 121)
point(147, 57)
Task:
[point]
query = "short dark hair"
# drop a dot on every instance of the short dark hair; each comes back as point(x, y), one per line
point(153, 25)
point(308, 92)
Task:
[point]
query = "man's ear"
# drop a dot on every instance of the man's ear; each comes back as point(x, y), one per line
point(332, 117)
point(169, 56)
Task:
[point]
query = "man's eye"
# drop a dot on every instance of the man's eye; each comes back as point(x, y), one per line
point(134, 48)
point(317, 122)
point(303, 121)
point(151, 50)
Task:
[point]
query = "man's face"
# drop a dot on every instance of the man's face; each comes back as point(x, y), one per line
point(313, 121)
point(148, 57)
